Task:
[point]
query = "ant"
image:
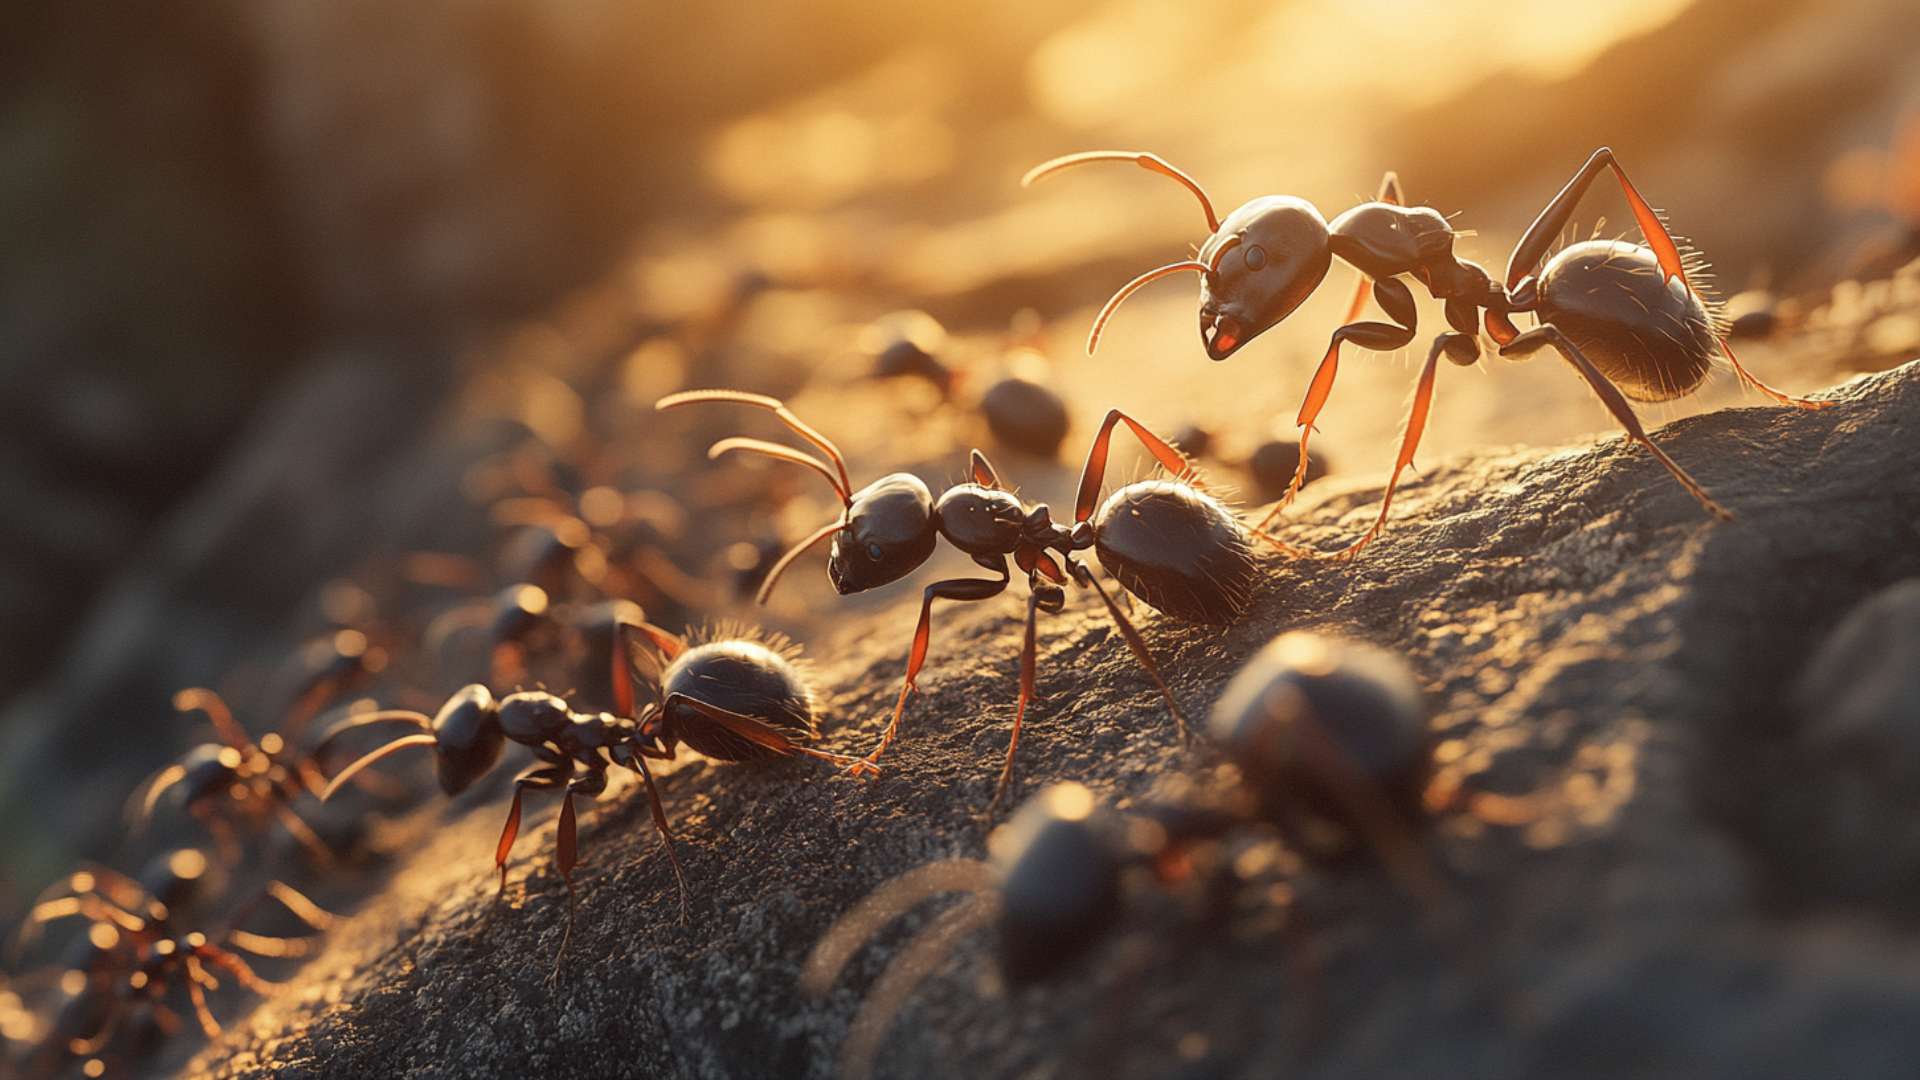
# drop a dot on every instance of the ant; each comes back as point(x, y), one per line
point(1330, 744)
point(136, 950)
point(574, 521)
point(238, 782)
point(1609, 307)
point(730, 699)
point(1165, 541)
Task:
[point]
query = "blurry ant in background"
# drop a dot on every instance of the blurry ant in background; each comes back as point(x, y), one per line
point(1272, 465)
point(568, 556)
point(1022, 409)
point(1165, 541)
point(1330, 743)
point(137, 949)
point(239, 785)
point(1627, 317)
point(731, 699)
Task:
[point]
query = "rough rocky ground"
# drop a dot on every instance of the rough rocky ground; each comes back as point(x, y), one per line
point(1583, 631)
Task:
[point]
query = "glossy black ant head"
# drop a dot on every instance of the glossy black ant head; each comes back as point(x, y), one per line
point(1328, 730)
point(888, 532)
point(1265, 260)
point(467, 738)
point(1255, 267)
point(1059, 862)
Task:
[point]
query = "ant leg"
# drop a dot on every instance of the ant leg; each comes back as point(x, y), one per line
point(1462, 349)
point(197, 977)
point(1094, 472)
point(964, 589)
point(224, 724)
point(297, 904)
point(298, 828)
point(1616, 403)
point(1540, 236)
point(545, 776)
point(1139, 646)
point(1740, 372)
point(241, 971)
point(1532, 248)
point(982, 470)
point(1027, 658)
point(1397, 300)
point(566, 853)
point(637, 761)
point(756, 731)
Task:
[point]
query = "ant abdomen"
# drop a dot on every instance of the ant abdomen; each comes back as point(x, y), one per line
point(467, 738)
point(1178, 549)
point(1328, 732)
point(1057, 863)
point(1654, 338)
point(743, 677)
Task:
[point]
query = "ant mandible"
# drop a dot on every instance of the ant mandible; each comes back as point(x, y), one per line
point(731, 699)
point(1165, 541)
point(1609, 307)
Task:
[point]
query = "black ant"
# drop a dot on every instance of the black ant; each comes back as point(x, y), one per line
point(238, 783)
point(909, 344)
point(136, 950)
point(1168, 543)
point(1609, 307)
point(1330, 744)
point(731, 699)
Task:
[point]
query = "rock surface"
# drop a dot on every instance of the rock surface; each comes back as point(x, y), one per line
point(1583, 632)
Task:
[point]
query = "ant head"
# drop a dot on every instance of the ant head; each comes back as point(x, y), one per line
point(888, 531)
point(208, 770)
point(1384, 239)
point(467, 738)
point(174, 878)
point(1059, 865)
point(1265, 260)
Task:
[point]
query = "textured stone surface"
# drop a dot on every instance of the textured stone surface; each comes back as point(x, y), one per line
point(1582, 631)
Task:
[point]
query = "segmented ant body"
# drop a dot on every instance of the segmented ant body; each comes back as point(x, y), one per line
point(1331, 747)
point(1626, 316)
point(138, 949)
point(1165, 541)
point(731, 699)
point(238, 784)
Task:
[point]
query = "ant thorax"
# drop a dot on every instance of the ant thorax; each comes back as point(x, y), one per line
point(981, 520)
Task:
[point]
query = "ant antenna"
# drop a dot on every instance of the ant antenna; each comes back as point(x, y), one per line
point(1113, 303)
point(1149, 162)
point(843, 486)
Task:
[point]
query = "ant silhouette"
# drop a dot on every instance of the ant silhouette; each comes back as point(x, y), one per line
point(1627, 317)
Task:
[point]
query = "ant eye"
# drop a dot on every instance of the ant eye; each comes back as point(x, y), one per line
point(874, 552)
point(1256, 257)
